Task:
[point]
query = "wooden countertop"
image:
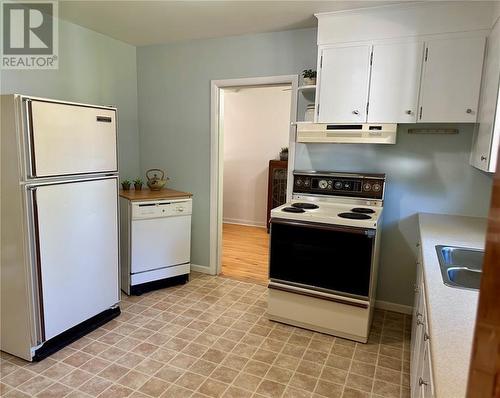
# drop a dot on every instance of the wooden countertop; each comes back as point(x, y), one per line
point(147, 194)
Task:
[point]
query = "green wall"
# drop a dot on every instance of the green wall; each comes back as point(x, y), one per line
point(95, 69)
point(174, 104)
point(424, 172)
point(169, 93)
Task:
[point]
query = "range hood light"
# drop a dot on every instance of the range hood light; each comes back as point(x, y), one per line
point(368, 133)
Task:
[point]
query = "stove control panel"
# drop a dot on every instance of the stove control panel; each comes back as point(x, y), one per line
point(335, 184)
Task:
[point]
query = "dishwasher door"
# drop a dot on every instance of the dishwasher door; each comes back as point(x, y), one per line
point(161, 235)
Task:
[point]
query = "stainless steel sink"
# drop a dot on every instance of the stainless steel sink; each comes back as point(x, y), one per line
point(460, 267)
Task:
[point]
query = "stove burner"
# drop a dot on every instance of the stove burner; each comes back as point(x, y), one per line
point(293, 210)
point(307, 206)
point(354, 216)
point(363, 210)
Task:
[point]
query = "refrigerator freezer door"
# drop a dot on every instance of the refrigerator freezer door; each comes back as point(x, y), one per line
point(77, 225)
point(70, 139)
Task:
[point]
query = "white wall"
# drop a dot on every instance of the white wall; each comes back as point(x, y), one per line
point(256, 126)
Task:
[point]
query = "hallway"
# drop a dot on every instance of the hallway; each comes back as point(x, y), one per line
point(245, 252)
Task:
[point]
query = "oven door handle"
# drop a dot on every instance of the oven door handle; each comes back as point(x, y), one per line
point(318, 294)
point(370, 233)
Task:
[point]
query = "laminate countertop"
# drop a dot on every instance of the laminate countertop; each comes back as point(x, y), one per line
point(147, 194)
point(451, 312)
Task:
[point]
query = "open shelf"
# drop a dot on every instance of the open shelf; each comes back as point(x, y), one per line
point(307, 88)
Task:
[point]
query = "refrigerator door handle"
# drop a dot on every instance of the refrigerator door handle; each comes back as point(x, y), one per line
point(30, 152)
point(36, 269)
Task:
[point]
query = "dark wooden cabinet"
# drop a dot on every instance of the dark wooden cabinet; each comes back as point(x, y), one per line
point(276, 187)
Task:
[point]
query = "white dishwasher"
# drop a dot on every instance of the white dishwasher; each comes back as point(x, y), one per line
point(156, 243)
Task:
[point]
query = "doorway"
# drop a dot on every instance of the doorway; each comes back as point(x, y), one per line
point(252, 121)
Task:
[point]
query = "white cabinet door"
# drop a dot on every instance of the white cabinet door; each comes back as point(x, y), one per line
point(420, 366)
point(425, 382)
point(343, 84)
point(71, 139)
point(451, 80)
point(76, 224)
point(417, 337)
point(417, 316)
point(487, 135)
point(395, 81)
point(160, 242)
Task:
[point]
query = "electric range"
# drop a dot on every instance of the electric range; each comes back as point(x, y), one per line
point(324, 247)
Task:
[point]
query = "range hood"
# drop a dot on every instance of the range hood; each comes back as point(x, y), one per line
point(367, 133)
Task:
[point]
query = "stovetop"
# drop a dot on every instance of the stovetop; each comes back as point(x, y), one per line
point(328, 213)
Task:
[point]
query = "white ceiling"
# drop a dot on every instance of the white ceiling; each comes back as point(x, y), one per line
point(153, 22)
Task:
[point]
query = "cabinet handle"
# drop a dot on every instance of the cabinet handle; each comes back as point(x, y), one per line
point(415, 288)
point(468, 110)
point(355, 112)
point(408, 112)
point(483, 158)
point(422, 382)
point(426, 337)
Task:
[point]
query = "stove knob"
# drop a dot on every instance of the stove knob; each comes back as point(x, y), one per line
point(338, 185)
point(307, 182)
point(377, 187)
point(322, 184)
point(298, 182)
point(367, 186)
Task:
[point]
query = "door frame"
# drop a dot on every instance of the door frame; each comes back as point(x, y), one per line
point(217, 161)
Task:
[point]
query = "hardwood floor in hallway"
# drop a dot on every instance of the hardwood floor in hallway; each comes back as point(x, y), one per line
point(245, 252)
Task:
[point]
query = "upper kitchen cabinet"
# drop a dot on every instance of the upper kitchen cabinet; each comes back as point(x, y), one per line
point(451, 80)
point(425, 63)
point(394, 83)
point(487, 134)
point(344, 78)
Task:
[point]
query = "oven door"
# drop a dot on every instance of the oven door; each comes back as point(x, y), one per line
point(322, 257)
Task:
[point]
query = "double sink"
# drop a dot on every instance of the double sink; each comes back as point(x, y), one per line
point(460, 267)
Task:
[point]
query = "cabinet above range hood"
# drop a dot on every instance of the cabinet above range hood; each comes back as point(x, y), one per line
point(366, 133)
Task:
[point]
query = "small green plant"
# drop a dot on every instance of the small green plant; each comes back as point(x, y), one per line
point(126, 184)
point(284, 149)
point(309, 74)
point(138, 184)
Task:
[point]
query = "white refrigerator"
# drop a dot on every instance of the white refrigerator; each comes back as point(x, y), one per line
point(59, 223)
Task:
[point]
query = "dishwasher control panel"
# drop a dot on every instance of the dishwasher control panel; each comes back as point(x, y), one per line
point(161, 208)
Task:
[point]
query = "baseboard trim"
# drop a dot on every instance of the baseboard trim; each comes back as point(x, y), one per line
point(386, 305)
point(200, 268)
point(244, 222)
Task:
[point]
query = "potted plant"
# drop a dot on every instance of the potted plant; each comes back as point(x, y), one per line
point(284, 153)
point(309, 76)
point(126, 185)
point(138, 184)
